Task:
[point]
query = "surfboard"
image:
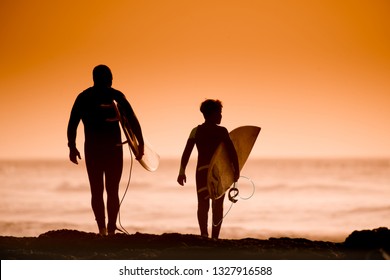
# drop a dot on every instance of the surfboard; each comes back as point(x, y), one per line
point(150, 160)
point(220, 176)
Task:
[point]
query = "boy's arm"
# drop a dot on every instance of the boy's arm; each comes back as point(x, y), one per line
point(181, 179)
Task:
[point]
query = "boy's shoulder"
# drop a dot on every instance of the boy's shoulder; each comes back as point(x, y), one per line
point(193, 132)
point(205, 129)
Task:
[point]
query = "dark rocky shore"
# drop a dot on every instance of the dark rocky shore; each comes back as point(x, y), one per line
point(76, 245)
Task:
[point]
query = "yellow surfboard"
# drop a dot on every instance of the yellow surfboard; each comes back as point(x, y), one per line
point(220, 175)
point(150, 160)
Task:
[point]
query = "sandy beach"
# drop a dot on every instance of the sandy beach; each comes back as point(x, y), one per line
point(76, 245)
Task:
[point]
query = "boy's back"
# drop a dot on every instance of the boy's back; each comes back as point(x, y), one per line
point(207, 139)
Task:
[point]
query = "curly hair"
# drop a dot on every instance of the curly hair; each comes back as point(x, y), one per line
point(210, 106)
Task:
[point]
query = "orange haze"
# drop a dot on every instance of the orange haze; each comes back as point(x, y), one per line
point(315, 75)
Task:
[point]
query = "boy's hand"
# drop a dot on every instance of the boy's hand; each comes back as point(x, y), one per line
point(236, 175)
point(181, 179)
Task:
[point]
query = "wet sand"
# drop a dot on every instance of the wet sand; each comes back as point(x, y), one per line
point(76, 245)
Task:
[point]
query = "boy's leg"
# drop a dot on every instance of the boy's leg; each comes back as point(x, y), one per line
point(203, 211)
point(203, 201)
point(217, 207)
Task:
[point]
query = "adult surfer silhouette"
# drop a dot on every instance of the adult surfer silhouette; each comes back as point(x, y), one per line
point(103, 144)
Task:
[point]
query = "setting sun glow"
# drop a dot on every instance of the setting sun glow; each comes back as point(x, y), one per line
point(315, 75)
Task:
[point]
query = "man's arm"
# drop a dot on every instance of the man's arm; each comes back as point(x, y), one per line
point(74, 120)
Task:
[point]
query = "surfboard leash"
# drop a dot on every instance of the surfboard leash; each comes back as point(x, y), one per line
point(234, 191)
point(122, 228)
point(233, 195)
point(253, 188)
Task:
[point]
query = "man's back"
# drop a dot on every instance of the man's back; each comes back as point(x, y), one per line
point(94, 107)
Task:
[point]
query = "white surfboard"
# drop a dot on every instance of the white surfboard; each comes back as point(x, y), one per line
point(220, 175)
point(150, 160)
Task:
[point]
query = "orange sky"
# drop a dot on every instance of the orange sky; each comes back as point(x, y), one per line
point(315, 75)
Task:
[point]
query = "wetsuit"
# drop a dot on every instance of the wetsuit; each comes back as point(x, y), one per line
point(102, 147)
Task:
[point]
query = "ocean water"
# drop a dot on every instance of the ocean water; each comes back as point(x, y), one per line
point(318, 199)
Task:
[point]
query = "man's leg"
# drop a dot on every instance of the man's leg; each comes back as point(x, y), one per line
point(95, 175)
point(113, 174)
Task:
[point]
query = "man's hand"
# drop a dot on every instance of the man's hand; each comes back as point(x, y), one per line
point(181, 179)
point(141, 149)
point(74, 154)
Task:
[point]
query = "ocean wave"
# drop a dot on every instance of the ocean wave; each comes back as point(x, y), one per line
point(71, 187)
point(380, 209)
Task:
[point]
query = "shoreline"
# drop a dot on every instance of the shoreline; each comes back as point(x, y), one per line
point(68, 244)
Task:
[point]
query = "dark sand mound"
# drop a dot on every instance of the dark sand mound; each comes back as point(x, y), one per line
point(71, 244)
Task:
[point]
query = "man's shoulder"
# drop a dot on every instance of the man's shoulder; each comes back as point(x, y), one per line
point(115, 91)
point(117, 94)
point(89, 92)
point(86, 92)
point(82, 96)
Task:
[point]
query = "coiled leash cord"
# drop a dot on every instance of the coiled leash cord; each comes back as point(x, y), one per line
point(233, 195)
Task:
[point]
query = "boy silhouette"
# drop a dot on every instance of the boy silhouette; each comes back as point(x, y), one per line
point(207, 138)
